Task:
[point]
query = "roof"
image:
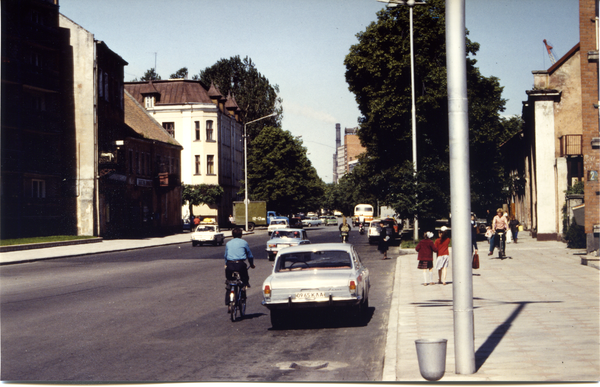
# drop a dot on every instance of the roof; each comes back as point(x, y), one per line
point(563, 59)
point(143, 124)
point(172, 92)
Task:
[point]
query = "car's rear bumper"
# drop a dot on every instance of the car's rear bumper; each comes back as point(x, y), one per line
point(291, 303)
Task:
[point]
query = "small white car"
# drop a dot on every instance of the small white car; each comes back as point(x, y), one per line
point(283, 238)
point(276, 224)
point(207, 233)
point(313, 221)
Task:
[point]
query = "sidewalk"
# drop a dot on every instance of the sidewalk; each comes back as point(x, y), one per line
point(107, 245)
point(536, 317)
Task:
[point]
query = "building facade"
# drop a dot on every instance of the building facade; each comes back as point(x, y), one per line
point(208, 126)
point(35, 191)
point(346, 157)
point(117, 162)
point(558, 146)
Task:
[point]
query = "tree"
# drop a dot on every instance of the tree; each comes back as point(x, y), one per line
point(280, 173)
point(198, 194)
point(378, 73)
point(181, 73)
point(253, 93)
point(149, 75)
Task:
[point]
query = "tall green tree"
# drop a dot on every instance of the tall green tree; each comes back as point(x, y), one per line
point(280, 173)
point(198, 194)
point(378, 73)
point(253, 93)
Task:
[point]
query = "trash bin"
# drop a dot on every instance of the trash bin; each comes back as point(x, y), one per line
point(431, 354)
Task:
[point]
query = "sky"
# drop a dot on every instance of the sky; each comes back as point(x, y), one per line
point(301, 45)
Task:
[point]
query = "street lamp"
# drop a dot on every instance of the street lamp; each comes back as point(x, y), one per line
point(411, 4)
point(246, 163)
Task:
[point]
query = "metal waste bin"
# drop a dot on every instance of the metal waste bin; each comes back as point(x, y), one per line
point(432, 357)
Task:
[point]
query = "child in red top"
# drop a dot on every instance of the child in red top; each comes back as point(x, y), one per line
point(426, 249)
point(441, 263)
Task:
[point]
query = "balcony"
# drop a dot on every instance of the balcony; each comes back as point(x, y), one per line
point(570, 145)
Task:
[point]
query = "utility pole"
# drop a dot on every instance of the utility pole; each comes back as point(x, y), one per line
point(460, 194)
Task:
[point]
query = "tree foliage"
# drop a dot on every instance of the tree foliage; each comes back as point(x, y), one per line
point(378, 73)
point(280, 173)
point(150, 75)
point(198, 194)
point(253, 93)
point(179, 74)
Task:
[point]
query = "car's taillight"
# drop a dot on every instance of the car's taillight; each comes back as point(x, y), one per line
point(352, 287)
point(267, 291)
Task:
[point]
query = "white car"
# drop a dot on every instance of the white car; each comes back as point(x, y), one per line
point(277, 224)
point(313, 221)
point(283, 238)
point(320, 275)
point(207, 233)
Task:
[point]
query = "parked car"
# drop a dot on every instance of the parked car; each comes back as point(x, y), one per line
point(392, 227)
point(281, 239)
point(331, 221)
point(323, 275)
point(207, 233)
point(313, 221)
point(277, 224)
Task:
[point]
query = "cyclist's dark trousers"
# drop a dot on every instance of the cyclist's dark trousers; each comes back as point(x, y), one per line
point(240, 267)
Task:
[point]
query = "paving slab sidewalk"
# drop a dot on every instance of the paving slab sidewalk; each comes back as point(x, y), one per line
point(536, 317)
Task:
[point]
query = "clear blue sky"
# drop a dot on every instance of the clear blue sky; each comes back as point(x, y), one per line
point(301, 45)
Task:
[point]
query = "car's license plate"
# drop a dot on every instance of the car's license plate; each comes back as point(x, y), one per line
point(309, 295)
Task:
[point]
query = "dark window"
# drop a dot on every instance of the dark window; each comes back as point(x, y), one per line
point(170, 128)
point(210, 165)
point(197, 164)
point(197, 130)
point(209, 131)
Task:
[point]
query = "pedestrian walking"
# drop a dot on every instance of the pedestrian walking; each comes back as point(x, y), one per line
point(474, 232)
point(426, 248)
point(443, 254)
point(382, 246)
point(513, 224)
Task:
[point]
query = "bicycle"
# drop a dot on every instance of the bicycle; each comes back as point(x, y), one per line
point(237, 297)
point(502, 245)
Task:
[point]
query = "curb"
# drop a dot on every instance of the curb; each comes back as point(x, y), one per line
point(43, 245)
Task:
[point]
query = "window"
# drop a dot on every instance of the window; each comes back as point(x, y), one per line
point(170, 128)
point(197, 130)
point(137, 162)
point(38, 189)
point(197, 164)
point(209, 131)
point(149, 101)
point(130, 160)
point(210, 165)
point(106, 86)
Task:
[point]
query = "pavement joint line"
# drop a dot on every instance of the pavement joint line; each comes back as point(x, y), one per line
point(390, 357)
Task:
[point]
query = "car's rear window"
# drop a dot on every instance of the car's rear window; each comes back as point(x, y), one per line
point(314, 260)
point(286, 234)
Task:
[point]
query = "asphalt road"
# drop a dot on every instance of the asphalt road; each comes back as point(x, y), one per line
point(158, 314)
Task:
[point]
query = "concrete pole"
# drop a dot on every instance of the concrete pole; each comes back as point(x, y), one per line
point(413, 112)
point(462, 272)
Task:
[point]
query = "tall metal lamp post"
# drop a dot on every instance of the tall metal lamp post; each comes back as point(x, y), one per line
point(411, 4)
point(246, 163)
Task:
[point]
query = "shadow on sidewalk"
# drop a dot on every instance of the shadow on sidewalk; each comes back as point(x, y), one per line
point(486, 349)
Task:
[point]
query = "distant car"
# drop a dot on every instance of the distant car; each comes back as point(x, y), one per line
point(281, 239)
point(323, 275)
point(207, 233)
point(331, 221)
point(313, 221)
point(186, 224)
point(277, 224)
point(296, 222)
point(392, 227)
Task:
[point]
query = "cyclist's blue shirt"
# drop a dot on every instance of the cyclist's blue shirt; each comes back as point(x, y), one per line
point(237, 249)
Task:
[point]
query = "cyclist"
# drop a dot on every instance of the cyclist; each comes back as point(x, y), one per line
point(237, 251)
point(499, 225)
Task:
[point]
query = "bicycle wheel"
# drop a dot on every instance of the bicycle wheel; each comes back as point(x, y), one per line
point(233, 303)
point(242, 304)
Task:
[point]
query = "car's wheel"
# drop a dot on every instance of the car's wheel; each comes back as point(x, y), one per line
point(272, 257)
point(194, 243)
point(277, 319)
point(221, 243)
